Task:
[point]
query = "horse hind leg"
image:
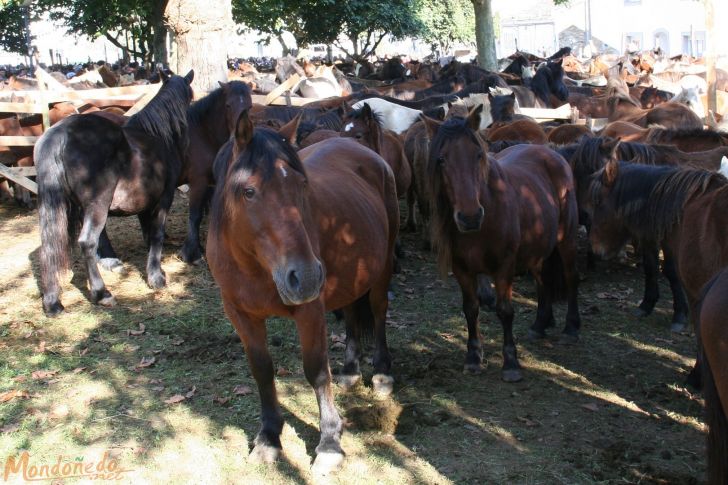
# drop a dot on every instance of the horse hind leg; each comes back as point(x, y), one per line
point(358, 320)
point(471, 308)
point(191, 251)
point(651, 262)
point(94, 220)
point(382, 381)
point(106, 255)
point(679, 300)
point(153, 226)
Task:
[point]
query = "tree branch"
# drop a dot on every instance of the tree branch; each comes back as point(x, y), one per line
point(116, 42)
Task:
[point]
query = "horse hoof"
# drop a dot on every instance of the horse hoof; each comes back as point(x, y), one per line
point(640, 313)
point(568, 339)
point(383, 384)
point(678, 327)
point(326, 463)
point(512, 375)
point(472, 368)
point(54, 309)
point(111, 264)
point(157, 281)
point(107, 301)
point(262, 453)
point(347, 381)
point(535, 335)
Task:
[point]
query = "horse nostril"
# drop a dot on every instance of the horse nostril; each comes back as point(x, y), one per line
point(293, 282)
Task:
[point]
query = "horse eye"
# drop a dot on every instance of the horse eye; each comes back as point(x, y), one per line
point(249, 193)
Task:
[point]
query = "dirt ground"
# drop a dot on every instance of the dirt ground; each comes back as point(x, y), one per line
point(611, 409)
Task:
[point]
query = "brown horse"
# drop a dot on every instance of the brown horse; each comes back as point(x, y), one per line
point(672, 115)
point(692, 140)
point(713, 339)
point(497, 215)
point(294, 237)
point(568, 133)
point(365, 127)
point(523, 130)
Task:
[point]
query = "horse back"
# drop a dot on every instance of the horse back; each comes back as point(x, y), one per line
point(354, 201)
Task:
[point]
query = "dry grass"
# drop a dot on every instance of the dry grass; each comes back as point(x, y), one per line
point(611, 409)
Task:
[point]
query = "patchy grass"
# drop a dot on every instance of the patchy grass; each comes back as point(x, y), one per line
point(612, 409)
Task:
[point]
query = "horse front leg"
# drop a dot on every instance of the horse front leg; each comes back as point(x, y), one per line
point(504, 309)
point(253, 334)
point(155, 222)
point(311, 325)
point(679, 300)
point(568, 252)
point(471, 308)
point(382, 381)
point(191, 251)
point(651, 262)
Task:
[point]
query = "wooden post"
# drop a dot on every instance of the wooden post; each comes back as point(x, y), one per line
point(710, 43)
point(43, 100)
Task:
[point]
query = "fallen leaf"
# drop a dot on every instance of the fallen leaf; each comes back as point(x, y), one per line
point(41, 347)
point(155, 381)
point(409, 290)
point(158, 388)
point(221, 400)
point(146, 362)
point(191, 392)
point(282, 371)
point(527, 421)
point(591, 407)
point(175, 399)
point(12, 394)
point(20, 378)
point(78, 370)
point(177, 341)
point(242, 390)
point(141, 330)
point(83, 352)
point(42, 374)
point(9, 428)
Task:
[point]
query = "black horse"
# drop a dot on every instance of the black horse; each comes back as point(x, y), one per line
point(89, 167)
point(547, 82)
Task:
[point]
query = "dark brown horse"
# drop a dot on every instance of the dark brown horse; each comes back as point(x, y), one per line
point(211, 121)
point(525, 130)
point(568, 133)
point(90, 167)
point(673, 115)
point(498, 215)
point(713, 339)
point(684, 209)
point(295, 237)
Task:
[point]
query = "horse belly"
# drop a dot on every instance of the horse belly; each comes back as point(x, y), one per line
point(140, 187)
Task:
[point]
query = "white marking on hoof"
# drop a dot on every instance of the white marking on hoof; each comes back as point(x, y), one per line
point(326, 463)
point(383, 384)
point(108, 301)
point(264, 454)
point(347, 381)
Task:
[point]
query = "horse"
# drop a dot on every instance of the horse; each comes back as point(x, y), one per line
point(713, 338)
point(499, 214)
point(210, 123)
point(568, 133)
point(89, 167)
point(671, 115)
point(392, 116)
point(525, 130)
point(687, 140)
point(547, 88)
point(651, 97)
point(682, 208)
point(307, 232)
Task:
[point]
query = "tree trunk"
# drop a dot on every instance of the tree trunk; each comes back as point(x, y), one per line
point(284, 46)
point(485, 35)
point(201, 29)
point(159, 39)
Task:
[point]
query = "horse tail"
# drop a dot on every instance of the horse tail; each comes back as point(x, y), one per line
point(58, 216)
point(553, 276)
point(717, 429)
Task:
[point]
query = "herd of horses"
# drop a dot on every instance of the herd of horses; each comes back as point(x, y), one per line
point(305, 214)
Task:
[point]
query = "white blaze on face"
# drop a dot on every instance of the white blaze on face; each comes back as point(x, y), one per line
point(724, 167)
point(283, 171)
point(349, 126)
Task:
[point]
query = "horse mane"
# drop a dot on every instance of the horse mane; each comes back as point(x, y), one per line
point(199, 109)
point(642, 153)
point(165, 116)
point(357, 114)
point(330, 120)
point(651, 199)
point(500, 145)
point(442, 224)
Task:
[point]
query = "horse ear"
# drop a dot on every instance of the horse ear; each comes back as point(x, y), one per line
point(366, 111)
point(243, 130)
point(222, 84)
point(190, 76)
point(513, 95)
point(290, 129)
point(559, 62)
point(609, 147)
point(611, 171)
point(474, 117)
point(162, 75)
point(431, 125)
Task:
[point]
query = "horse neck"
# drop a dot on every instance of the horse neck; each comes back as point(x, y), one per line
point(213, 125)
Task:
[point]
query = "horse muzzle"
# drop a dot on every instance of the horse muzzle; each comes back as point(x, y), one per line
point(299, 282)
point(469, 223)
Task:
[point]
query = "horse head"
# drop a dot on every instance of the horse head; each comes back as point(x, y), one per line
point(365, 126)
point(266, 200)
point(457, 168)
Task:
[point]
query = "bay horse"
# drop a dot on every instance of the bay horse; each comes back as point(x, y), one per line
point(672, 115)
point(305, 233)
point(525, 130)
point(89, 167)
point(210, 123)
point(682, 208)
point(713, 340)
point(497, 215)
